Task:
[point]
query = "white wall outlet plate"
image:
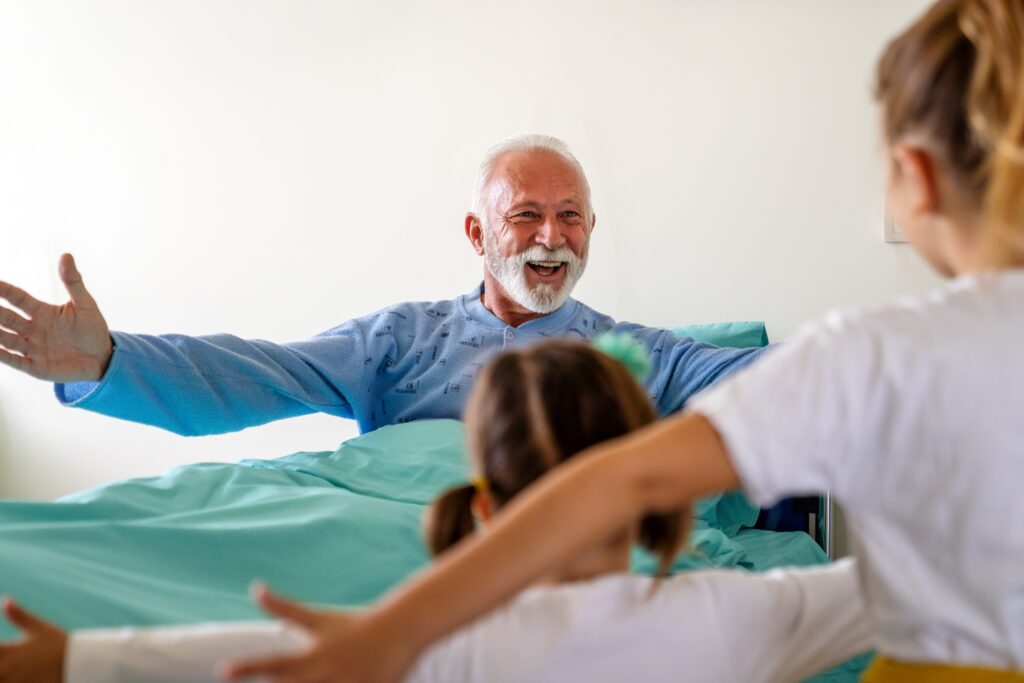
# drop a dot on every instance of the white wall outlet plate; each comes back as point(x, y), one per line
point(893, 232)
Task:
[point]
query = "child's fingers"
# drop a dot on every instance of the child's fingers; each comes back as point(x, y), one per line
point(269, 666)
point(285, 609)
point(24, 620)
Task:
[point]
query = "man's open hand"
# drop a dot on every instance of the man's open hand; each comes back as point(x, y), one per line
point(68, 343)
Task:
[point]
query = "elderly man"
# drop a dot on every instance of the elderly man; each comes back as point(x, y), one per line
point(531, 221)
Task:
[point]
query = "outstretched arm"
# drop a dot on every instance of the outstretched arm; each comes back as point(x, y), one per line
point(221, 383)
point(66, 343)
point(188, 385)
point(189, 654)
point(576, 506)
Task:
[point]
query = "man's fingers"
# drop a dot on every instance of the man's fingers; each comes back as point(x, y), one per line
point(12, 321)
point(24, 620)
point(285, 609)
point(15, 361)
point(13, 342)
point(19, 298)
point(72, 280)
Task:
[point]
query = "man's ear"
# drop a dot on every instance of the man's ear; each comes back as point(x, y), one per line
point(481, 507)
point(475, 233)
point(916, 177)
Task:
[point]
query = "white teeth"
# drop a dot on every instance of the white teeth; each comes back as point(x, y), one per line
point(546, 264)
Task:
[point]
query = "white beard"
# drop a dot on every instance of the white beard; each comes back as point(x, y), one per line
point(511, 274)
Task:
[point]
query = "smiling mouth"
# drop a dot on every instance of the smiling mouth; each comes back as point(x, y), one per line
point(546, 268)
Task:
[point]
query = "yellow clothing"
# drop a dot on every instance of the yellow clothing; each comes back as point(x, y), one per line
point(884, 670)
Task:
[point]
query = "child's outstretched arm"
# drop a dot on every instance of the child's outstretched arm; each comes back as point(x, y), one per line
point(576, 506)
point(169, 654)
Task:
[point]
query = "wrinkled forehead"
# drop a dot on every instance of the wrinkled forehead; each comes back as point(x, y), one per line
point(535, 177)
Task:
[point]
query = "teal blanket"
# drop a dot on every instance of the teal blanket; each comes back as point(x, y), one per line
point(328, 528)
point(333, 528)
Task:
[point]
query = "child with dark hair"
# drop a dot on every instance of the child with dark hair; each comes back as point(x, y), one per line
point(533, 410)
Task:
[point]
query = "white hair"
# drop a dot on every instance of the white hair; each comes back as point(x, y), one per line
point(530, 142)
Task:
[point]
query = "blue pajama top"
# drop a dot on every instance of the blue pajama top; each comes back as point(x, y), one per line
point(412, 361)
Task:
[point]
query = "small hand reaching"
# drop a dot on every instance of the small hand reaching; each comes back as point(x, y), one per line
point(67, 343)
point(346, 648)
point(39, 656)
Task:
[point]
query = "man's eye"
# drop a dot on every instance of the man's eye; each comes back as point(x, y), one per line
point(570, 214)
point(526, 214)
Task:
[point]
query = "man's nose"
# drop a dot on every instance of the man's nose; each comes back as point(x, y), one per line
point(549, 234)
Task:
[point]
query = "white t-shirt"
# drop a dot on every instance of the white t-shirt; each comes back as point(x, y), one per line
point(706, 626)
point(913, 416)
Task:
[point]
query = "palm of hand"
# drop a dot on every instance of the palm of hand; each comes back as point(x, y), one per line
point(346, 651)
point(39, 656)
point(345, 648)
point(58, 343)
point(64, 343)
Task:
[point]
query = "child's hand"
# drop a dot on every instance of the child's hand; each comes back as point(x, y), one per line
point(346, 647)
point(39, 656)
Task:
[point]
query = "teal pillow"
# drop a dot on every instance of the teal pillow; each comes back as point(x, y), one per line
point(738, 335)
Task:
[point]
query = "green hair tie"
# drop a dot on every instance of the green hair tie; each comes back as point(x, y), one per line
point(628, 351)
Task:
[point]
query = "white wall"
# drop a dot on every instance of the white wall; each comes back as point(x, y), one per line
point(274, 168)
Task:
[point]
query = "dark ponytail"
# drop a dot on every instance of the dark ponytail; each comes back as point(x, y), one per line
point(664, 536)
point(449, 519)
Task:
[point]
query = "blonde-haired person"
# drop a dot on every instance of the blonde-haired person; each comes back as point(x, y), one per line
point(588, 619)
point(910, 414)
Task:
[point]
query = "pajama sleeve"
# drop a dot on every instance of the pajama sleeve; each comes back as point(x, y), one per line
point(211, 385)
point(682, 367)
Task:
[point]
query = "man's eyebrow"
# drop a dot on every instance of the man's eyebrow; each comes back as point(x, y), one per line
point(526, 203)
point(531, 203)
